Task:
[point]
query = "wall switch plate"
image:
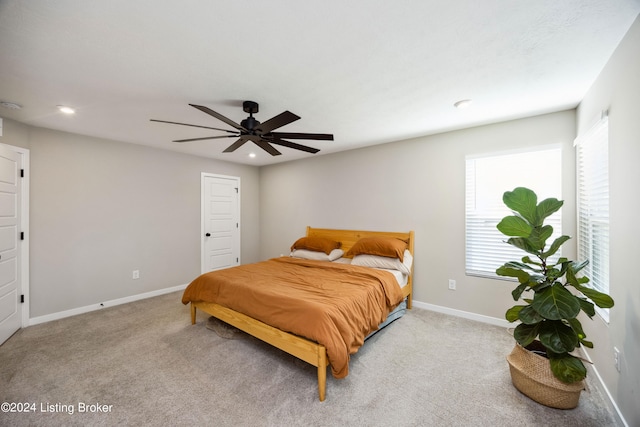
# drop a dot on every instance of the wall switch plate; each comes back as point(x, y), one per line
point(136, 274)
point(452, 284)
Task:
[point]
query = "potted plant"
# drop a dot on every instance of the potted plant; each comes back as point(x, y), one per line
point(553, 294)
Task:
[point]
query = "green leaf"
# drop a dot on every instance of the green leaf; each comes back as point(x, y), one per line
point(577, 327)
point(564, 267)
point(521, 265)
point(523, 201)
point(522, 276)
point(555, 303)
point(529, 316)
point(524, 244)
point(586, 343)
point(517, 292)
point(572, 279)
point(602, 300)
point(582, 280)
point(540, 286)
point(525, 334)
point(577, 266)
point(512, 314)
point(587, 307)
point(553, 274)
point(539, 235)
point(555, 246)
point(528, 260)
point(514, 226)
point(568, 369)
point(557, 336)
point(547, 207)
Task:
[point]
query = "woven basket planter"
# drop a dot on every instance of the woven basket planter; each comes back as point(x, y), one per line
point(531, 374)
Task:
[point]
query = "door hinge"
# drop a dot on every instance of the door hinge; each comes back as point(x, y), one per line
point(236, 190)
point(21, 173)
point(22, 299)
point(22, 235)
point(237, 225)
point(237, 259)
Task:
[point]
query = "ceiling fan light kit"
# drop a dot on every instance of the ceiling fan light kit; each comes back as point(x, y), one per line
point(261, 134)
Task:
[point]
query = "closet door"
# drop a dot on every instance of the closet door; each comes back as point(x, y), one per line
point(220, 222)
point(10, 278)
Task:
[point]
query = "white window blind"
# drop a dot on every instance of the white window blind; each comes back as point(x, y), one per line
point(592, 165)
point(487, 178)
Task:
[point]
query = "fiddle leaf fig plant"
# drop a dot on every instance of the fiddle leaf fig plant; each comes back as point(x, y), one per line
point(550, 310)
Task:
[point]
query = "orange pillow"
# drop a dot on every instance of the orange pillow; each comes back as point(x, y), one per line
point(382, 246)
point(318, 244)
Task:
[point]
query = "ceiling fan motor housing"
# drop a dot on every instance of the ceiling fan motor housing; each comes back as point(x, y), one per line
point(249, 123)
point(250, 107)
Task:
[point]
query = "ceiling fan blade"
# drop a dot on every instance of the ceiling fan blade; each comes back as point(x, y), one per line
point(317, 136)
point(277, 121)
point(233, 147)
point(204, 138)
point(218, 116)
point(195, 126)
point(295, 146)
point(267, 147)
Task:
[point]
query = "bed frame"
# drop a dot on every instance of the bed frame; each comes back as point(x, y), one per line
point(304, 349)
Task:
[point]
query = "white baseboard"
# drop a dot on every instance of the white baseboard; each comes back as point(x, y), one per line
point(605, 390)
point(464, 314)
point(94, 307)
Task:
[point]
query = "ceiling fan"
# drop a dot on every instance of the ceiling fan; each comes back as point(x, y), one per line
point(260, 134)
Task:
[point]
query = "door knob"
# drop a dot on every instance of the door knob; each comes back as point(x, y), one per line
point(208, 234)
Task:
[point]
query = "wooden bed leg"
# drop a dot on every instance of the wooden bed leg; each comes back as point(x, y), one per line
point(322, 372)
point(193, 314)
point(409, 301)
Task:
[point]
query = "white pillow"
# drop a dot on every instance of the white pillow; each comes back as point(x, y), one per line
point(317, 256)
point(376, 261)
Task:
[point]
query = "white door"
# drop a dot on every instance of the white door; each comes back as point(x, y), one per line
point(10, 269)
point(220, 222)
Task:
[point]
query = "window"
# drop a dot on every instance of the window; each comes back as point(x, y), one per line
point(592, 165)
point(487, 178)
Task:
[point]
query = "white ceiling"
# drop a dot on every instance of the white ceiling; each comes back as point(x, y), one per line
point(368, 71)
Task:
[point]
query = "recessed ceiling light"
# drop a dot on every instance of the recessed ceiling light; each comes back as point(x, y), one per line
point(464, 103)
point(10, 105)
point(66, 110)
point(252, 155)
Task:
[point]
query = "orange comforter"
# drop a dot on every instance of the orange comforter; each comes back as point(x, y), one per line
point(336, 305)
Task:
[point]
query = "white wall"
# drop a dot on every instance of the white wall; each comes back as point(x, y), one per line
point(415, 185)
point(617, 89)
point(101, 209)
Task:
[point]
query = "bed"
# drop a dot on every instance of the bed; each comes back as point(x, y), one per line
point(260, 309)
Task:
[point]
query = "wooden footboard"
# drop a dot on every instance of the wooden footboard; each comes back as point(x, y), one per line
point(304, 349)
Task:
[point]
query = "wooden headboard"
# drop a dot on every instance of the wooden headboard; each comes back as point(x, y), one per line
point(350, 237)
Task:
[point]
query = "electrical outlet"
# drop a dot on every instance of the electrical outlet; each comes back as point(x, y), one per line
point(452, 284)
point(136, 274)
point(616, 358)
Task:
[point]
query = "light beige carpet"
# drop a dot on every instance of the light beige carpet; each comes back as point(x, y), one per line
point(150, 366)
